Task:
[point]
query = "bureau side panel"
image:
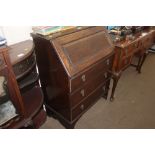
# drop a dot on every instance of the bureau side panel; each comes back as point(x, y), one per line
point(53, 77)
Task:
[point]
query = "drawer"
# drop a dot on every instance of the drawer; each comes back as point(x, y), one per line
point(127, 50)
point(2, 61)
point(148, 41)
point(88, 88)
point(91, 73)
point(88, 102)
point(132, 48)
point(21, 68)
point(125, 62)
point(137, 46)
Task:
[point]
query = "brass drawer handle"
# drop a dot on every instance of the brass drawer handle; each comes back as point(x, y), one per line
point(79, 27)
point(82, 92)
point(108, 61)
point(82, 107)
point(83, 77)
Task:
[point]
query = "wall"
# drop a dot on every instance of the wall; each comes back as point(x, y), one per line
point(15, 34)
point(1, 32)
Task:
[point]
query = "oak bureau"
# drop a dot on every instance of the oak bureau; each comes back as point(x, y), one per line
point(75, 70)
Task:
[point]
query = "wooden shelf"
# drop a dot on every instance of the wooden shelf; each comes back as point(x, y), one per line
point(33, 101)
point(28, 104)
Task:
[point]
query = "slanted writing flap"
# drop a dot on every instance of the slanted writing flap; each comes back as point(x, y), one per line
point(78, 53)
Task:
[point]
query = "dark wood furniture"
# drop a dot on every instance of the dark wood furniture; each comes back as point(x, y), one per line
point(10, 90)
point(23, 61)
point(126, 49)
point(75, 70)
point(28, 105)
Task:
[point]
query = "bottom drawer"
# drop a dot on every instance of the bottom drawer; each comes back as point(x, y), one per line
point(81, 108)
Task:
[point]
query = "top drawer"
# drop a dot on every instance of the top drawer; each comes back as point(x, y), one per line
point(132, 48)
point(91, 73)
point(148, 41)
point(2, 62)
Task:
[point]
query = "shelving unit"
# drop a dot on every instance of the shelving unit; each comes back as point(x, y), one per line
point(26, 106)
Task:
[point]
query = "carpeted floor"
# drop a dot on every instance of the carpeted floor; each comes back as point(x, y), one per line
point(133, 107)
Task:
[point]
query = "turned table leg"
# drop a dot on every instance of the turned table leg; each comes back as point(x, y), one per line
point(139, 62)
point(115, 77)
point(142, 60)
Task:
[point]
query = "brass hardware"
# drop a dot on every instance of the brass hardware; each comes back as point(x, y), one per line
point(83, 77)
point(82, 107)
point(82, 92)
point(137, 45)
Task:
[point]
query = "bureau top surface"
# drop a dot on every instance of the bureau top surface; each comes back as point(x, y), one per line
point(138, 36)
point(60, 33)
point(81, 49)
point(20, 51)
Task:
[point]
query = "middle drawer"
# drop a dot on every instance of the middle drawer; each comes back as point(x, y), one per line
point(88, 88)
